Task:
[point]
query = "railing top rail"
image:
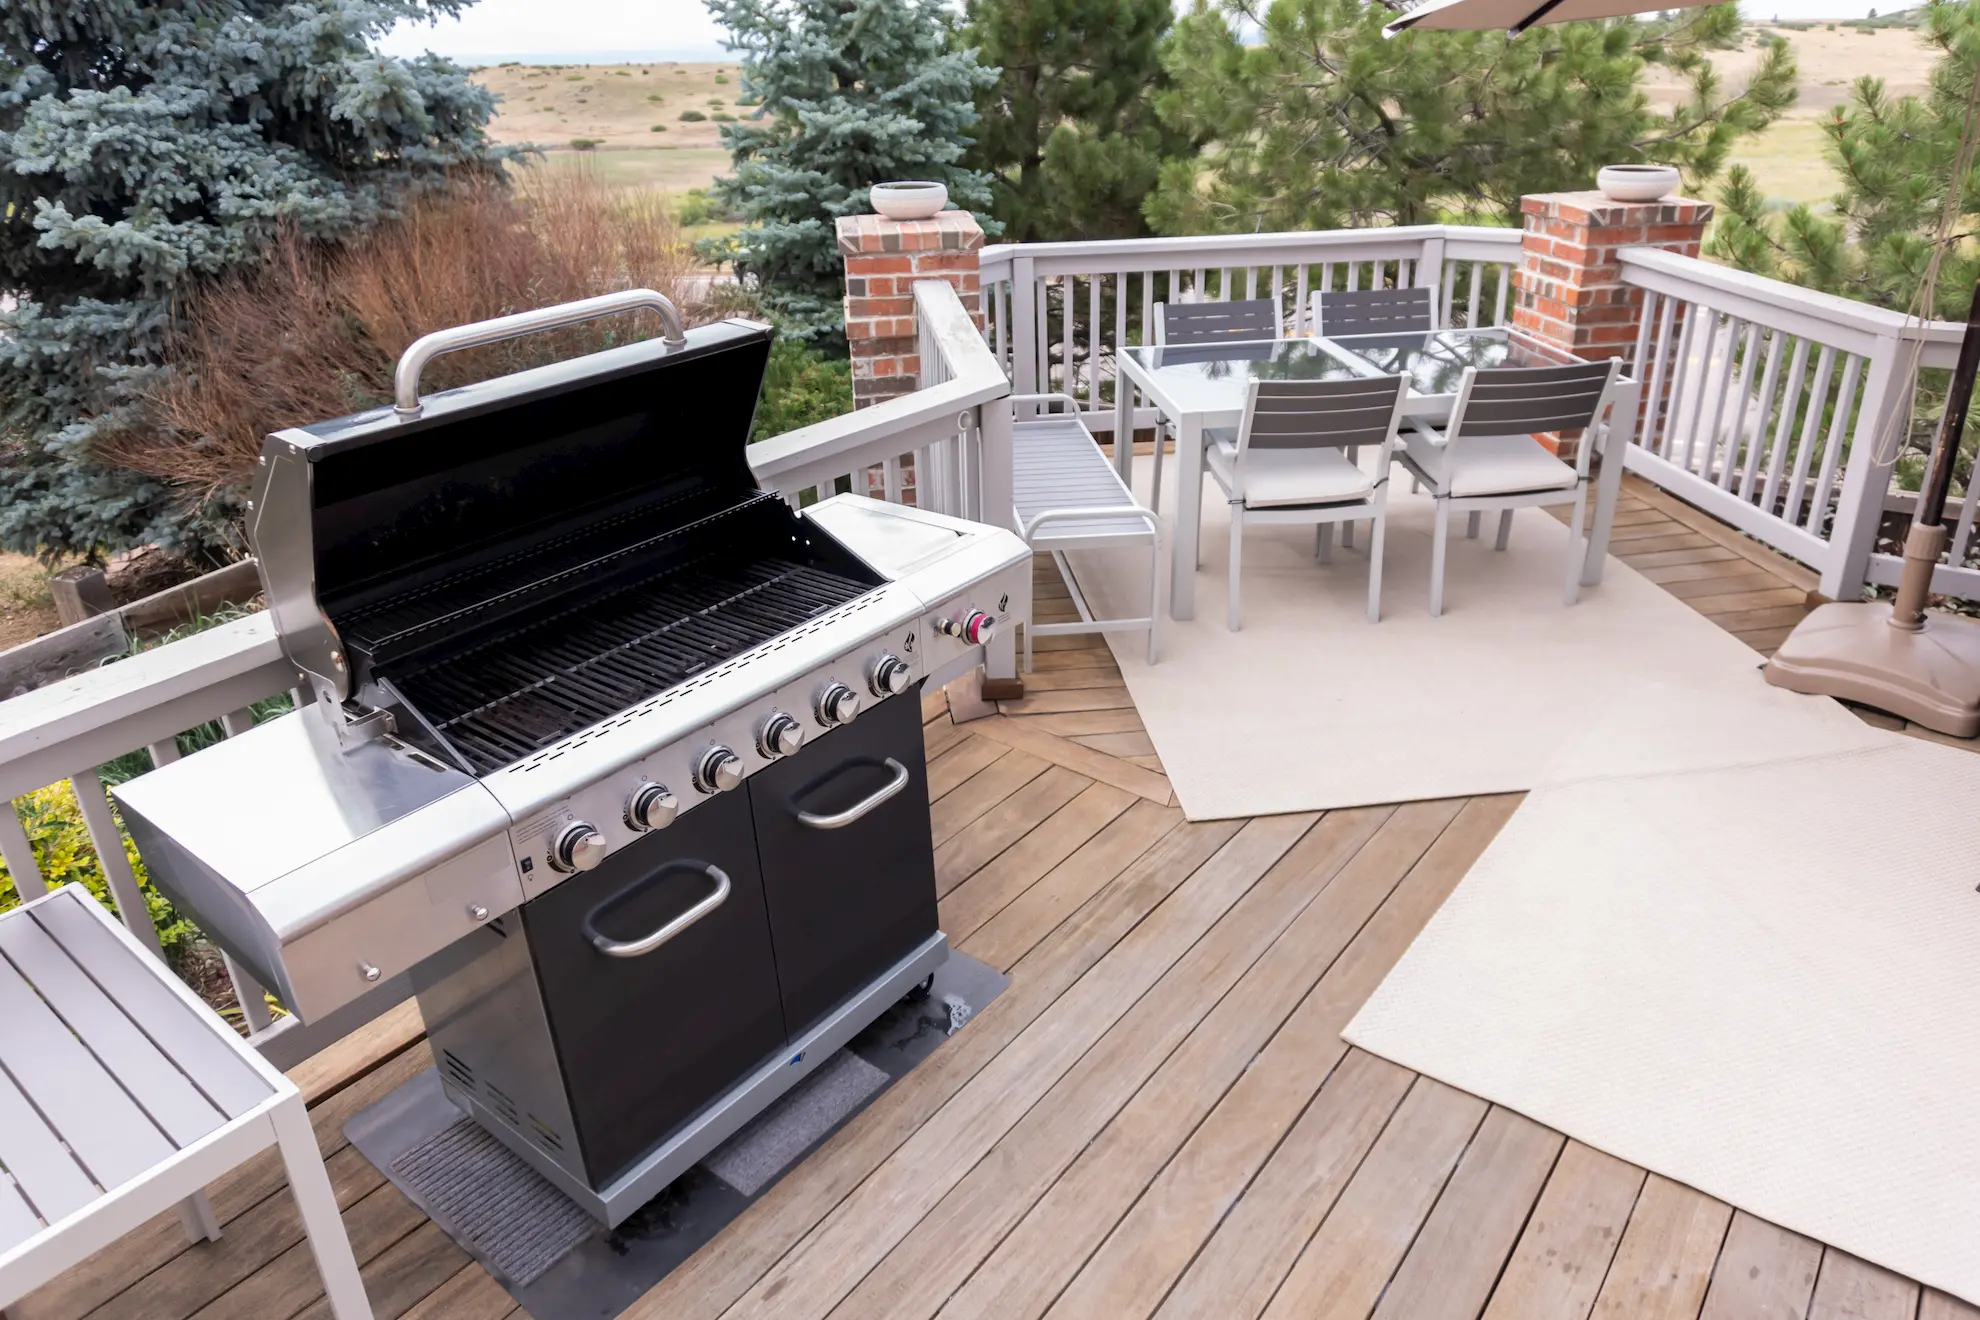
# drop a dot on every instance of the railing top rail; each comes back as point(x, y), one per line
point(1668, 272)
point(975, 378)
point(86, 702)
point(1213, 249)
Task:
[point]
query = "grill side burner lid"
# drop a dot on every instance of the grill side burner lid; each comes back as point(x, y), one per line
point(389, 531)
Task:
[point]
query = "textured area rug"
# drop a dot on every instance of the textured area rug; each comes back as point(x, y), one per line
point(1762, 981)
point(1310, 707)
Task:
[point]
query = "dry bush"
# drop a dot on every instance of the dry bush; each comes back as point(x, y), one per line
point(313, 332)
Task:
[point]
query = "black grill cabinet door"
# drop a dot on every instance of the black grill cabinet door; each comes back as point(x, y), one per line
point(846, 903)
point(647, 1041)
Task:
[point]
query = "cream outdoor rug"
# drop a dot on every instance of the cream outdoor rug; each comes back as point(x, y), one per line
point(1762, 981)
point(1311, 707)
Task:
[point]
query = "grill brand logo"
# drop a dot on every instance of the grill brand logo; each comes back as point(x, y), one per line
point(907, 644)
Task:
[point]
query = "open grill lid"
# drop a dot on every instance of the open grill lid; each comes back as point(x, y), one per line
point(386, 533)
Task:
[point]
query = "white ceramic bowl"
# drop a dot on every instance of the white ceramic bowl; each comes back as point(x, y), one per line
point(1637, 183)
point(912, 200)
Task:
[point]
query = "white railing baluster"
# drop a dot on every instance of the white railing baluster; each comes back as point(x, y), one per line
point(1656, 410)
point(1791, 402)
point(1832, 449)
point(1714, 437)
point(108, 841)
point(1755, 446)
point(1962, 538)
point(1811, 428)
point(1699, 382)
point(1301, 323)
point(1095, 333)
point(1680, 380)
point(18, 853)
point(1471, 297)
point(1505, 284)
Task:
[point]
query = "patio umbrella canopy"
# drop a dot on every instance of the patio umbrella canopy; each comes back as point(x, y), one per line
point(1515, 16)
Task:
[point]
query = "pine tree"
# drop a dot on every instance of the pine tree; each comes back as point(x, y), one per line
point(853, 93)
point(1070, 133)
point(1327, 123)
point(1894, 157)
point(146, 143)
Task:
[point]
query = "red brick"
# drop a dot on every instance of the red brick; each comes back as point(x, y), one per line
point(870, 264)
point(896, 306)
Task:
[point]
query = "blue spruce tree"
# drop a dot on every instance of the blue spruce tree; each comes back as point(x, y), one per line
point(854, 93)
point(144, 143)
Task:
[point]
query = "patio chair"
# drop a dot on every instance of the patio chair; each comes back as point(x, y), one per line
point(1199, 324)
point(1373, 312)
point(122, 1094)
point(1067, 496)
point(1487, 458)
point(1286, 465)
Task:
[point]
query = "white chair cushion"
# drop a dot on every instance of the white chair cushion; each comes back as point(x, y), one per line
point(1276, 478)
point(1491, 465)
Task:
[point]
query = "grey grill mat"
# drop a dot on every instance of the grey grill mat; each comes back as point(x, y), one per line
point(752, 1159)
point(603, 1273)
point(476, 1188)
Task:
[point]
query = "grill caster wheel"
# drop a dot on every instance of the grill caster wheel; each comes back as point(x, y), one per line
point(920, 992)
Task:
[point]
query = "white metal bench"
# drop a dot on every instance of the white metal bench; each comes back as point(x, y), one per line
point(1067, 496)
point(121, 1094)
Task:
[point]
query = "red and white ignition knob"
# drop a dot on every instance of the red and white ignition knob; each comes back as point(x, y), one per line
point(974, 628)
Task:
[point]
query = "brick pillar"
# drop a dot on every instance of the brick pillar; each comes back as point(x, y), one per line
point(1569, 292)
point(883, 260)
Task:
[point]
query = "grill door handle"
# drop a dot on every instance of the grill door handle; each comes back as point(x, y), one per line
point(841, 819)
point(646, 944)
point(405, 377)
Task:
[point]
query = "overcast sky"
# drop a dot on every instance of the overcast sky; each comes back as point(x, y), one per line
point(603, 30)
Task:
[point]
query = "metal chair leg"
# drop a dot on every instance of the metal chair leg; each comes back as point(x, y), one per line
point(196, 1213)
point(1376, 526)
point(1323, 542)
point(322, 1225)
point(1573, 592)
point(1231, 619)
point(1439, 541)
point(1347, 535)
point(1471, 525)
point(1505, 529)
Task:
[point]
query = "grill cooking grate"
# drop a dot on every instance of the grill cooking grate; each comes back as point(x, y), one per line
point(546, 681)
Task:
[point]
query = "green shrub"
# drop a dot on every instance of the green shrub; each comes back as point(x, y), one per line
point(722, 78)
point(801, 385)
point(692, 116)
point(658, 128)
point(575, 77)
point(696, 207)
point(721, 118)
point(584, 144)
point(656, 98)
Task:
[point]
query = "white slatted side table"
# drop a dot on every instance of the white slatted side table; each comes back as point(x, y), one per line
point(121, 1094)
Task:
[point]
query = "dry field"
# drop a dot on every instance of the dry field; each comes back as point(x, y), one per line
point(1788, 159)
point(630, 113)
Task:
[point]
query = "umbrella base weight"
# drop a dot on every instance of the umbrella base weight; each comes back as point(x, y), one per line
point(1930, 676)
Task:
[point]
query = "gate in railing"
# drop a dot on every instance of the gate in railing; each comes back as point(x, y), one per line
point(1780, 411)
point(955, 430)
point(1057, 312)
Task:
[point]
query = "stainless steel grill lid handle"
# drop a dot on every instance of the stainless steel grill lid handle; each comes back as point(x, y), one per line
point(841, 819)
point(405, 379)
point(645, 944)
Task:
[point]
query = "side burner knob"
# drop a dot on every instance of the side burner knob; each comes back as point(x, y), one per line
point(975, 628)
point(779, 735)
point(890, 676)
point(718, 770)
point(578, 847)
point(837, 704)
point(651, 807)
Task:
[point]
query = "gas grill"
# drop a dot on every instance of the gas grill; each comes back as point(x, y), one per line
point(614, 756)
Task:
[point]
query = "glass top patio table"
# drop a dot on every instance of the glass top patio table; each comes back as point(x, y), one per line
point(1435, 360)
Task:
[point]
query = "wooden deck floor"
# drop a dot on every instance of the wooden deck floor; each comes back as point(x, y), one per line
point(1157, 1118)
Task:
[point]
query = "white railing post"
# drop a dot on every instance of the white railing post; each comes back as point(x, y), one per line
point(1873, 449)
point(1430, 275)
point(1025, 348)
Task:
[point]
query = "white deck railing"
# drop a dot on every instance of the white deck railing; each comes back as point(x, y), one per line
point(1057, 312)
point(1779, 410)
point(951, 430)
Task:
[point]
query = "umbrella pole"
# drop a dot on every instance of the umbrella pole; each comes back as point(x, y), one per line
point(1898, 657)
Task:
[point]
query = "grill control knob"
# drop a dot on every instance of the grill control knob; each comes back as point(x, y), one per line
point(651, 807)
point(718, 770)
point(578, 847)
point(974, 628)
point(779, 735)
point(837, 704)
point(890, 676)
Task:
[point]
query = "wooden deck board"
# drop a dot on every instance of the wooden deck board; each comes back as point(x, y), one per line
point(1158, 1116)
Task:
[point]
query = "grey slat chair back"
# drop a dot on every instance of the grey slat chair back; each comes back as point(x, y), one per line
point(1215, 322)
point(1522, 400)
point(1320, 414)
point(1373, 312)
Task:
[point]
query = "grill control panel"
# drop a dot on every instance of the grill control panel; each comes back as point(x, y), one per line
point(651, 794)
